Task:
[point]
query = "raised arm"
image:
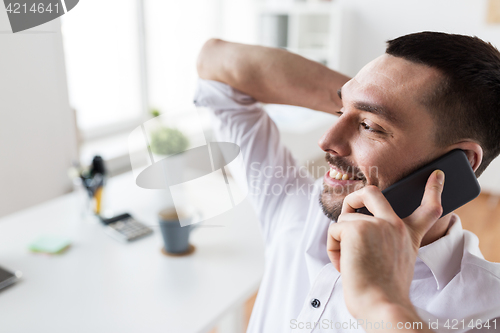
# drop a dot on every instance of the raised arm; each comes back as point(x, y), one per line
point(271, 75)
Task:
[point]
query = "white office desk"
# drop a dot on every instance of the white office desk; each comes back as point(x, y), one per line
point(101, 285)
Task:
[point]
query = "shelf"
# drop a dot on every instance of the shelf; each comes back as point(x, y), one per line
point(308, 28)
point(322, 7)
point(295, 7)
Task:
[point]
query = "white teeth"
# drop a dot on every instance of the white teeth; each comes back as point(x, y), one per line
point(333, 173)
point(338, 175)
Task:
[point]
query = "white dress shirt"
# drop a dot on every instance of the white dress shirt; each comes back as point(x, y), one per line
point(301, 291)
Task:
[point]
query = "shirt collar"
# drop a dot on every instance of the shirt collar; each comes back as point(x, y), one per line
point(444, 256)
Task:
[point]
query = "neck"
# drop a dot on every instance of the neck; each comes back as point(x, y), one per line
point(437, 231)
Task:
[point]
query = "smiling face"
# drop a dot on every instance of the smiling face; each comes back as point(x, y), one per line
point(383, 132)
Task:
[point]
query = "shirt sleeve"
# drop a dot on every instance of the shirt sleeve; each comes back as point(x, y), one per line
point(277, 186)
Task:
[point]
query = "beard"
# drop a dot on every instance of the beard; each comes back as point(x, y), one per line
point(331, 201)
point(331, 207)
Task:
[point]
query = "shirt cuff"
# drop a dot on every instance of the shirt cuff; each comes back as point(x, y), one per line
point(220, 96)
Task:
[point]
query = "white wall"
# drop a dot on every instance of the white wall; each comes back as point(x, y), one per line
point(368, 24)
point(37, 131)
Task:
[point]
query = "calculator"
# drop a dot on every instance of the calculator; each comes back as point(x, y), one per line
point(125, 228)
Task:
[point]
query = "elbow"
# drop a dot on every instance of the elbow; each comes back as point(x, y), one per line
point(207, 57)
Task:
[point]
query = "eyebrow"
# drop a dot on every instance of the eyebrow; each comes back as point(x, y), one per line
point(376, 109)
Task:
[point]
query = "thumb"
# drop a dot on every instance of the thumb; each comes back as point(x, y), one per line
point(430, 209)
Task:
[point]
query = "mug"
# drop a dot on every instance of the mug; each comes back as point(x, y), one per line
point(175, 237)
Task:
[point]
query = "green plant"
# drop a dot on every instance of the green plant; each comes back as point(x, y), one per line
point(168, 141)
point(155, 112)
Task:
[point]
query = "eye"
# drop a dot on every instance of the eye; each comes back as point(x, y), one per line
point(369, 128)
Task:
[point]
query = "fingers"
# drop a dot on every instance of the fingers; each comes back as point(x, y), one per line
point(333, 244)
point(430, 209)
point(372, 198)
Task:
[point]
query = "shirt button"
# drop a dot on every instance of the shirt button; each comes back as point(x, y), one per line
point(315, 303)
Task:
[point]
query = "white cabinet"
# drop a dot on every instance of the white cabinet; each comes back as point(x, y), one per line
point(309, 28)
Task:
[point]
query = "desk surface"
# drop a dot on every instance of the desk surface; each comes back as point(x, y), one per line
point(101, 285)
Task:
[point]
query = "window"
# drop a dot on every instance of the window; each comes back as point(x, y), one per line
point(124, 57)
point(101, 43)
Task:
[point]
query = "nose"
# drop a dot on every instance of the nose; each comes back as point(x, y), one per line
point(336, 140)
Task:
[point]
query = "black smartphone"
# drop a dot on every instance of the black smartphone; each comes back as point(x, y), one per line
point(460, 185)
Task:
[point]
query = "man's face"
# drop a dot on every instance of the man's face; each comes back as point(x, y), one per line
point(383, 132)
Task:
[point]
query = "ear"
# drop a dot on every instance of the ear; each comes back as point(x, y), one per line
point(473, 151)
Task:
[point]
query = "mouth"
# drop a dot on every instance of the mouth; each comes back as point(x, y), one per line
point(337, 174)
point(336, 177)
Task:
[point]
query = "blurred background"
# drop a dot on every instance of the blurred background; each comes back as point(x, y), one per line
point(110, 71)
point(77, 86)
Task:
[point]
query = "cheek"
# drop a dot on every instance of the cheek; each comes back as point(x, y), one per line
point(384, 163)
point(371, 165)
point(378, 164)
point(368, 153)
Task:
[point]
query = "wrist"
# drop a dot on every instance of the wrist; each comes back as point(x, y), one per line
point(375, 299)
point(392, 316)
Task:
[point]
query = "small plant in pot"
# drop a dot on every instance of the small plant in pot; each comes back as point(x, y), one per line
point(168, 141)
point(165, 140)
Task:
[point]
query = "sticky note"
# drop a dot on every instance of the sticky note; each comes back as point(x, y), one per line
point(50, 244)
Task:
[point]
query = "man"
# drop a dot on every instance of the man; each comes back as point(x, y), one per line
point(429, 94)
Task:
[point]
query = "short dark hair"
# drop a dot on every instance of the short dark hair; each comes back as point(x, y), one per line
point(466, 103)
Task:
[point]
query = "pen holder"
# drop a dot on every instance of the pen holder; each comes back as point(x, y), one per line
point(89, 205)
